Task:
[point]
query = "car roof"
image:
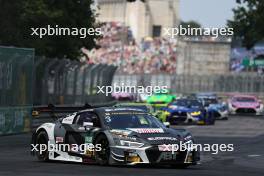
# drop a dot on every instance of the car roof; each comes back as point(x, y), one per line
point(119, 109)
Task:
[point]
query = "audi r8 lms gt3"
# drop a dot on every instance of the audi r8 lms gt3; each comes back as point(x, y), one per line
point(122, 136)
point(211, 101)
point(240, 104)
point(186, 111)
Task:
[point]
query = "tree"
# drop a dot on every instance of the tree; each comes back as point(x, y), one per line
point(248, 21)
point(18, 17)
point(193, 24)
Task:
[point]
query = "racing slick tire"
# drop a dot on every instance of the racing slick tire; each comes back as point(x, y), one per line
point(102, 156)
point(42, 138)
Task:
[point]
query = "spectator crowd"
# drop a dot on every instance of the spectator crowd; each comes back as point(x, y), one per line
point(118, 47)
point(239, 55)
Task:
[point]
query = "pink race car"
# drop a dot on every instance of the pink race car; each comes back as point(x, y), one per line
point(239, 104)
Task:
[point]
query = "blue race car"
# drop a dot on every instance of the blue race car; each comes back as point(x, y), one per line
point(212, 103)
point(187, 111)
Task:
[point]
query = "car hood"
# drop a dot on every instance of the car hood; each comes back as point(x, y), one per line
point(246, 104)
point(154, 136)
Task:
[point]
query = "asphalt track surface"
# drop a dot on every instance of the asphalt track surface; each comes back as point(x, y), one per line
point(246, 133)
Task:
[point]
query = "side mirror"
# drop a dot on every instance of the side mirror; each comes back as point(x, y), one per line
point(167, 124)
point(260, 101)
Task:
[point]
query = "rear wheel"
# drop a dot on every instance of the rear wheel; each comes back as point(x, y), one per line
point(102, 156)
point(42, 143)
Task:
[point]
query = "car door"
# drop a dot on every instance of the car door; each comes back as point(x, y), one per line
point(80, 131)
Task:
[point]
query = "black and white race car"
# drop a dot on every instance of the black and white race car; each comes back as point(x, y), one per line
point(116, 135)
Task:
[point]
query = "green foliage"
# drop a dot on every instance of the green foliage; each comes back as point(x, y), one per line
point(248, 21)
point(18, 17)
point(193, 24)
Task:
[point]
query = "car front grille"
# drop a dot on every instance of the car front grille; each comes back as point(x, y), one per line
point(245, 110)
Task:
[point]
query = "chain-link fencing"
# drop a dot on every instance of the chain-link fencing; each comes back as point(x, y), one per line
point(243, 83)
point(63, 81)
point(26, 81)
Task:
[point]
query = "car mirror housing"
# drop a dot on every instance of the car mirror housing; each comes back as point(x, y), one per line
point(88, 124)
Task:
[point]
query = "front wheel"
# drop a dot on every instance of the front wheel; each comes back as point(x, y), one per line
point(42, 143)
point(102, 156)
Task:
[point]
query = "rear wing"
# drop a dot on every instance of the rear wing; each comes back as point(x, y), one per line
point(37, 111)
point(50, 113)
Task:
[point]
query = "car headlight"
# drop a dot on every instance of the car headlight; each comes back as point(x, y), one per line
point(196, 113)
point(131, 144)
point(173, 107)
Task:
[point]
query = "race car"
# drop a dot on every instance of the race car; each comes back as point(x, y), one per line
point(241, 104)
point(160, 99)
point(211, 101)
point(187, 111)
point(116, 136)
point(123, 96)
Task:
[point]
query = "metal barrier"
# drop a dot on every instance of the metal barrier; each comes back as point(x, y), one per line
point(26, 81)
point(244, 83)
point(62, 81)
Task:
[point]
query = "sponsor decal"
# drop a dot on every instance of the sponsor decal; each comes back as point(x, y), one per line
point(59, 139)
point(108, 119)
point(162, 138)
point(88, 139)
point(167, 156)
point(68, 120)
point(147, 130)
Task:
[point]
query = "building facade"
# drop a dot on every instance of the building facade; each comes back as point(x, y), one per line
point(145, 19)
point(203, 57)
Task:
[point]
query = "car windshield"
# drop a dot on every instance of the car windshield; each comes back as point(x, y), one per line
point(208, 101)
point(186, 103)
point(144, 108)
point(244, 99)
point(125, 121)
